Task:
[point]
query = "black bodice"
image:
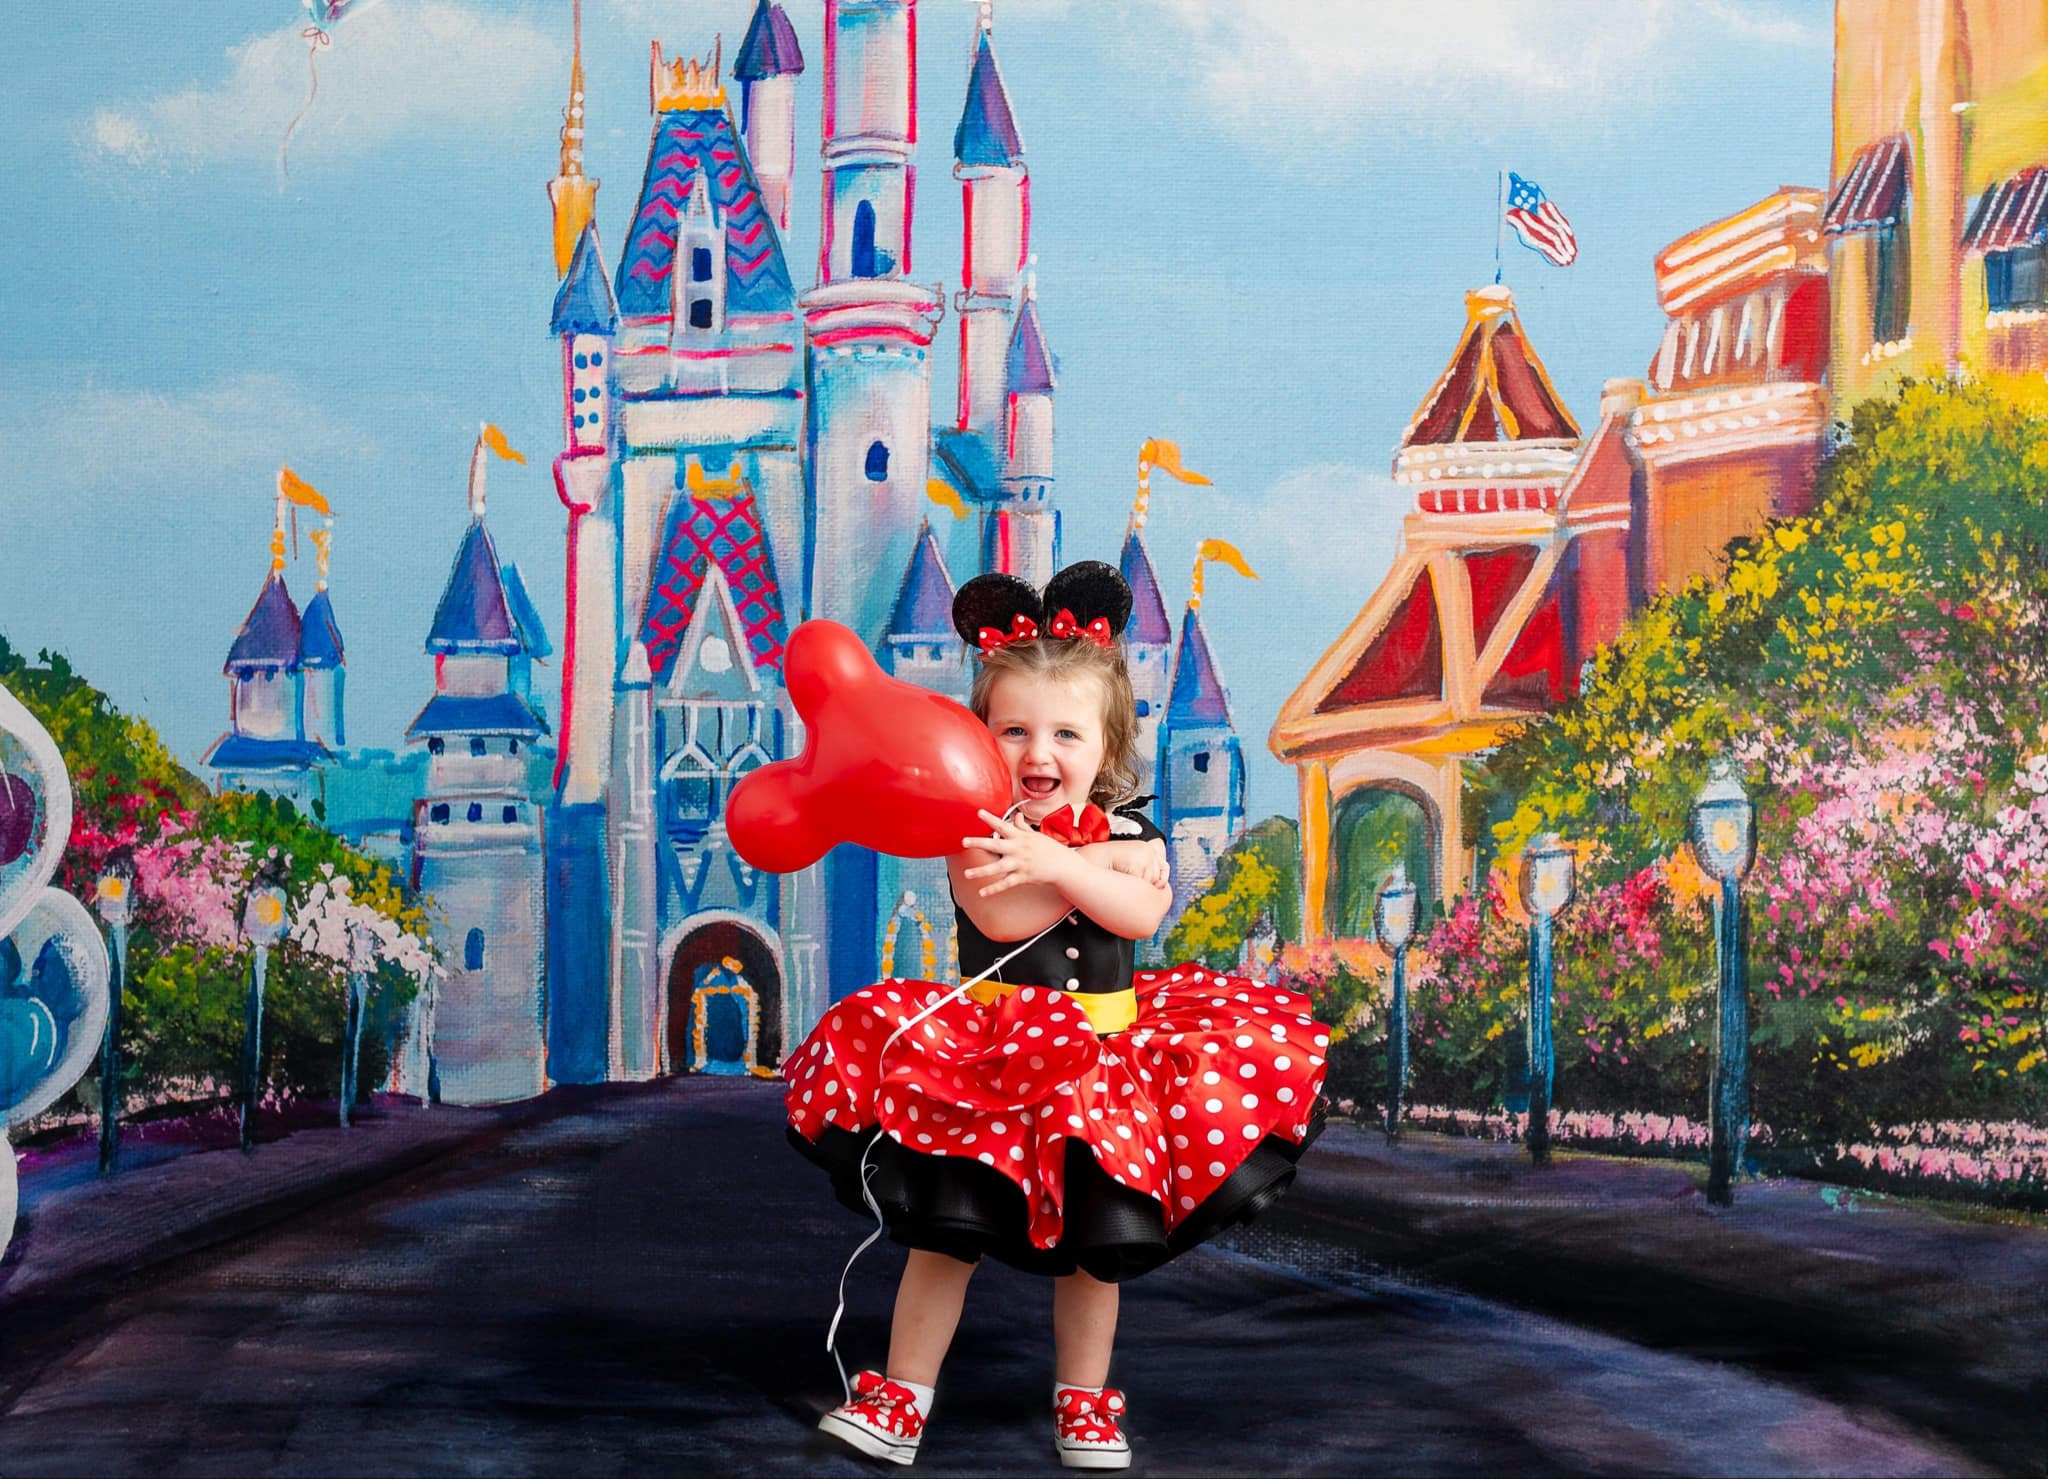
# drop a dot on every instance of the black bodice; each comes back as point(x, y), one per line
point(1076, 955)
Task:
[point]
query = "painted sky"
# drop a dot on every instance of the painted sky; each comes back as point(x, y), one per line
point(1254, 219)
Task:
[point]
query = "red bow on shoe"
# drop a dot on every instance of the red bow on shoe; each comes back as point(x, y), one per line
point(1090, 1417)
point(1097, 631)
point(896, 1404)
point(1076, 826)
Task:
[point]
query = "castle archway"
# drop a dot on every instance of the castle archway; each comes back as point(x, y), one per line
point(724, 999)
point(1375, 827)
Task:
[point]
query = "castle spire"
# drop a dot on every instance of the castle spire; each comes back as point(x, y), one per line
point(574, 194)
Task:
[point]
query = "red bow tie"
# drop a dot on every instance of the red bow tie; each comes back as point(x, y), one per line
point(1063, 826)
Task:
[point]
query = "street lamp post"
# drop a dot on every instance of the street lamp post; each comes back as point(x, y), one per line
point(1393, 920)
point(264, 921)
point(1547, 884)
point(1724, 845)
point(115, 900)
point(360, 959)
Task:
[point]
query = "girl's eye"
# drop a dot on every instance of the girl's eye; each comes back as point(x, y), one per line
point(1014, 729)
point(1069, 734)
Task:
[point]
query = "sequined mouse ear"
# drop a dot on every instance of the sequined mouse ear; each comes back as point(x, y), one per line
point(992, 611)
point(1095, 595)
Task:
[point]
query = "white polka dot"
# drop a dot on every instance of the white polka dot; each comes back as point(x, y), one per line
point(1060, 1041)
point(1215, 1137)
point(1180, 1142)
point(924, 1139)
point(1285, 1096)
point(1074, 1122)
point(1250, 1101)
point(1178, 1111)
point(1283, 1062)
point(1216, 1168)
point(999, 1128)
point(1212, 1105)
point(1009, 1048)
point(1137, 1170)
point(1322, 1040)
point(1016, 1152)
point(1141, 1116)
point(1034, 1032)
point(1243, 1039)
point(1250, 1070)
point(831, 1085)
point(1212, 1077)
point(1187, 1203)
point(1251, 1132)
point(986, 1159)
point(1095, 1114)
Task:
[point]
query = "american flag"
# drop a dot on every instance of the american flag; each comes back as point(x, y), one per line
point(1539, 223)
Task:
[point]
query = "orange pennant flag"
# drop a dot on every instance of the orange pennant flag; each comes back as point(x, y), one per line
point(295, 489)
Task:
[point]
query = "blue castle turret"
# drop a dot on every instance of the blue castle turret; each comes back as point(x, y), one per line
point(1201, 768)
point(1148, 649)
point(266, 748)
point(322, 670)
point(477, 828)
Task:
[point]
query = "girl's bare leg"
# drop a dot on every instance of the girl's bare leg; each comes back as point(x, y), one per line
point(928, 1304)
point(1083, 1329)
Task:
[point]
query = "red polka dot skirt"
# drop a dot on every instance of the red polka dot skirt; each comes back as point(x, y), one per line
point(1215, 1071)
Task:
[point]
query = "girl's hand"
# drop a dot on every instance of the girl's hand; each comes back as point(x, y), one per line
point(1021, 856)
point(1153, 870)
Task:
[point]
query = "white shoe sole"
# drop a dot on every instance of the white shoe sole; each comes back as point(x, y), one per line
point(1088, 1456)
point(867, 1440)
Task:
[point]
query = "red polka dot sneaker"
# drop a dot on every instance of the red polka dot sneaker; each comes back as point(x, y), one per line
point(885, 1419)
point(1087, 1427)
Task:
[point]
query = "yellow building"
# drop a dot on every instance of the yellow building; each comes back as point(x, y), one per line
point(1938, 210)
point(1728, 427)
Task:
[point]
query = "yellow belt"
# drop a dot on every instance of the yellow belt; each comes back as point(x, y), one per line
point(1108, 1011)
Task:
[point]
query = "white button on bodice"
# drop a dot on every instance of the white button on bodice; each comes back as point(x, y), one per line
point(1073, 953)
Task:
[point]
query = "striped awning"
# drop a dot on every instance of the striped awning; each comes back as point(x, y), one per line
point(1873, 190)
point(2012, 214)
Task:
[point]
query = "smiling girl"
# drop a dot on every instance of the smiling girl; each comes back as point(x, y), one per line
point(1066, 1114)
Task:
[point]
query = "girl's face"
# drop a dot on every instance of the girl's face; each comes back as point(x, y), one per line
point(1051, 733)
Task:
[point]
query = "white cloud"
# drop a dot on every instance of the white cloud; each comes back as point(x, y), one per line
point(389, 71)
point(199, 445)
point(1325, 529)
point(1326, 62)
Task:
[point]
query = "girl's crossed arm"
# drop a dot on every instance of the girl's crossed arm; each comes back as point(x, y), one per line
point(1017, 882)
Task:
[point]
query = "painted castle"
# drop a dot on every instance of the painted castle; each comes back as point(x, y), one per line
point(737, 456)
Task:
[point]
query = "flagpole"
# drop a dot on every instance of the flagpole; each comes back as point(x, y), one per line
point(1500, 224)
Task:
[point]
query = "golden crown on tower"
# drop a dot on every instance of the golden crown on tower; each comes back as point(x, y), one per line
point(687, 83)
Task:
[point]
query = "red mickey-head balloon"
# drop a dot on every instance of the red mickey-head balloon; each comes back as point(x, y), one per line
point(885, 764)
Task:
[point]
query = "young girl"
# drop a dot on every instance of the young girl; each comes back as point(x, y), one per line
point(1053, 1116)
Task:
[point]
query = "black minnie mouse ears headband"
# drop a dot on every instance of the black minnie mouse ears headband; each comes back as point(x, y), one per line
point(1088, 601)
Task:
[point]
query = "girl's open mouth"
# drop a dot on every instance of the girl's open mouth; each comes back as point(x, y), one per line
point(1039, 786)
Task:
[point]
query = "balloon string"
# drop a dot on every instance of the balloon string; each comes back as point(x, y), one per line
point(315, 39)
point(867, 1171)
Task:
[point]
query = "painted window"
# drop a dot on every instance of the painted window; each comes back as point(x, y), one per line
point(700, 313)
point(1202, 761)
point(473, 951)
point(1144, 707)
point(436, 745)
point(476, 811)
point(512, 747)
point(700, 264)
point(878, 462)
point(439, 812)
point(479, 746)
point(1891, 284)
point(511, 813)
point(864, 255)
point(2017, 280)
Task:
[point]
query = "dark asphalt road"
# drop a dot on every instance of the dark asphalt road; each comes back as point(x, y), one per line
point(643, 1287)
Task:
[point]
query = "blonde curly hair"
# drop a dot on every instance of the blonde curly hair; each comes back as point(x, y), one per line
point(1062, 660)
